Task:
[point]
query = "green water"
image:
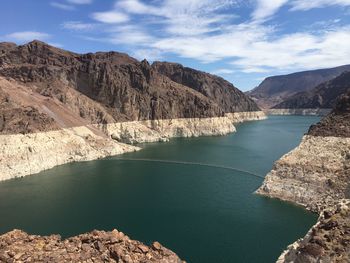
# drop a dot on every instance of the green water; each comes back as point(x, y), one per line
point(205, 214)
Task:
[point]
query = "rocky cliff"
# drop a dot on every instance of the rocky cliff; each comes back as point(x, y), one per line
point(324, 96)
point(316, 175)
point(113, 87)
point(97, 246)
point(327, 241)
point(95, 103)
point(317, 172)
point(276, 89)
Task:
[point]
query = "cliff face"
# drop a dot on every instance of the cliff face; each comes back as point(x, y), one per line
point(96, 102)
point(323, 96)
point(111, 87)
point(219, 90)
point(317, 172)
point(97, 246)
point(316, 175)
point(327, 241)
point(274, 90)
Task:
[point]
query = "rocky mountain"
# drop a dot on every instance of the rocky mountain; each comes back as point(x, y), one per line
point(219, 90)
point(275, 90)
point(337, 123)
point(323, 96)
point(66, 89)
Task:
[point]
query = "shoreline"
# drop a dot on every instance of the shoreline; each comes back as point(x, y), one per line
point(27, 154)
point(302, 112)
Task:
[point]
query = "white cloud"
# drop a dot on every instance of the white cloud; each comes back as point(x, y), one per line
point(209, 31)
point(110, 17)
point(266, 8)
point(62, 6)
point(310, 4)
point(79, 2)
point(78, 26)
point(223, 71)
point(149, 54)
point(25, 36)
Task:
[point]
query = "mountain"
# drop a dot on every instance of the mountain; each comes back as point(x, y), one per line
point(323, 96)
point(274, 90)
point(337, 123)
point(58, 88)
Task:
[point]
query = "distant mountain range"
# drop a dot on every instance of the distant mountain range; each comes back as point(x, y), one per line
point(275, 90)
point(324, 95)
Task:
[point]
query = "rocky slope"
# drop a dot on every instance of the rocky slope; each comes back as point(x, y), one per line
point(327, 241)
point(274, 90)
point(97, 246)
point(323, 96)
point(316, 175)
point(95, 103)
point(317, 172)
point(113, 87)
point(219, 90)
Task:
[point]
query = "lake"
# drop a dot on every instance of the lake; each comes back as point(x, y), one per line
point(195, 196)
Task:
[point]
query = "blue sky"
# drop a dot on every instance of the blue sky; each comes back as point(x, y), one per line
point(242, 41)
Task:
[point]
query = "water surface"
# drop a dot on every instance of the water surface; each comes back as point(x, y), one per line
point(205, 214)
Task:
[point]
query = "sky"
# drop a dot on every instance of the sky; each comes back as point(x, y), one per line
point(241, 41)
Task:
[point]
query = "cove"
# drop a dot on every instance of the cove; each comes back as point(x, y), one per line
point(192, 195)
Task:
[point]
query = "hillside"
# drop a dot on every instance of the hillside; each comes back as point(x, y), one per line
point(323, 96)
point(52, 88)
point(276, 89)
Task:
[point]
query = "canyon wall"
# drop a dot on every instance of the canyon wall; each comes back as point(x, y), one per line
point(303, 112)
point(316, 175)
point(25, 154)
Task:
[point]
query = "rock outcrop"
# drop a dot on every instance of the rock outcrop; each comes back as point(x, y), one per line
point(324, 96)
point(113, 87)
point(276, 89)
point(97, 246)
point(327, 241)
point(316, 175)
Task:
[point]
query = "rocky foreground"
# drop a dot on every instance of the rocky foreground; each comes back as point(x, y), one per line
point(316, 175)
point(327, 241)
point(97, 246)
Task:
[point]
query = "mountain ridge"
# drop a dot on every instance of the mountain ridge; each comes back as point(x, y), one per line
point(275, 89)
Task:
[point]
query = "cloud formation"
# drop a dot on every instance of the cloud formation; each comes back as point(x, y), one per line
point(25, 36)
point(213, 31)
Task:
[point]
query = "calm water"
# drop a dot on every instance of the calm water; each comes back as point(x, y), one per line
point(205, 214)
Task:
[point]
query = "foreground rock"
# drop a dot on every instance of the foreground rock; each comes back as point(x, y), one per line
point(97, 246)
point(327, 241)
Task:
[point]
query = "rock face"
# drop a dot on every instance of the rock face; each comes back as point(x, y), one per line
point(97, 246)
point(219, 90)
point(95, 103)
point(274, 90)
point(113, 87)
point(327, 241)
point(336, 124)
point(323, 96)
point(302, 112)
point(316, 175)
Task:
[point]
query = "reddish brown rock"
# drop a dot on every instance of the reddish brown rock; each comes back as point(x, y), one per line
point(18, 246)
